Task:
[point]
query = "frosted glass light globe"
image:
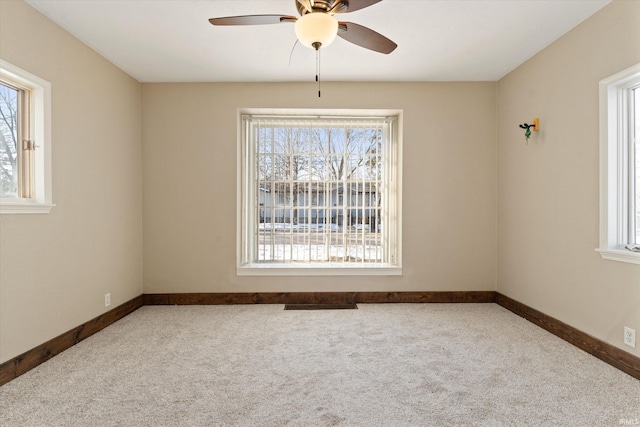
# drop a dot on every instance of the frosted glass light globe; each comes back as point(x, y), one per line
point(316, 27)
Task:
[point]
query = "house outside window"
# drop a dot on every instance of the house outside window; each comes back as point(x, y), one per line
point(620, 166)
point(320, 194)
point(25, 142)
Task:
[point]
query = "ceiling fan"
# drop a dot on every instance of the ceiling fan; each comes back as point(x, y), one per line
point(317, 27)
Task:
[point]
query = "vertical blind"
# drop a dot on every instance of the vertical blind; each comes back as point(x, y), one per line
point(319, 189)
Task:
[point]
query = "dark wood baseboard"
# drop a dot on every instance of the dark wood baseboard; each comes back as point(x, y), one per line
point(17, 366)
point(319, 298)
point(608, 353)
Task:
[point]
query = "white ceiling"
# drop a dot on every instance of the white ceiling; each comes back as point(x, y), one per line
point(438, 40)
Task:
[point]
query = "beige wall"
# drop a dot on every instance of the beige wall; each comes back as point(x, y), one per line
point(189, 175)
point(548, 215)
point(56, 268)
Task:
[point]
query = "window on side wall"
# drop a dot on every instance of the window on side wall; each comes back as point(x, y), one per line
point(319, 194)
point(620, 166)
point(25, 142)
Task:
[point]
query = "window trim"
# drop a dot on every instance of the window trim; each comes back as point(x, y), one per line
point(615, 173)
point(315, 269)
point(40, 115)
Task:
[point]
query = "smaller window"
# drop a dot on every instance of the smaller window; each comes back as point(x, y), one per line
point(620, 166)
point(25, 142)
point(635, 213)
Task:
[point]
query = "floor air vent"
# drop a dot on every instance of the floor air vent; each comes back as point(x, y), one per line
point(320, 306)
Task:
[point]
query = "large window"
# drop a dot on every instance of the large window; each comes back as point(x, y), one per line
point(25, 143)
point(319, 195)
point(620, 166)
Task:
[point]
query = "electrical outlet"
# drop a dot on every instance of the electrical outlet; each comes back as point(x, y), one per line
point(630, 337)
point(107, 300)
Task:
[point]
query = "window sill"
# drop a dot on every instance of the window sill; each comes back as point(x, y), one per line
point(25, 208)
point(316, 270)
point(620, 255)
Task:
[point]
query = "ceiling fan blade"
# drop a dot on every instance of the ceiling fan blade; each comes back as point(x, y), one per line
point(365, 37)
point(252, 20)
point(353, 5)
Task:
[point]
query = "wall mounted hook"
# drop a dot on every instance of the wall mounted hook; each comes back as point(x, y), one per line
point(527, 127)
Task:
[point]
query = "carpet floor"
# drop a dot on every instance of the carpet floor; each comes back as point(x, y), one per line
point(380, 365)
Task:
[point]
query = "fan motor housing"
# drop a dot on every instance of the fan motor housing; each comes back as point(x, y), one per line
point(323, 6)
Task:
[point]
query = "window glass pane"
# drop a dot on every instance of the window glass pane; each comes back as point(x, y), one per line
point(326, 203)
point(637, 158)
point(8, 141)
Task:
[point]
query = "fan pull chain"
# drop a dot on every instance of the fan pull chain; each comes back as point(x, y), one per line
point(317, 47)
point(318, 71)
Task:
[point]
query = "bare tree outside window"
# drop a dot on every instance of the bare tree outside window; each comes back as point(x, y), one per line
point(8, 141)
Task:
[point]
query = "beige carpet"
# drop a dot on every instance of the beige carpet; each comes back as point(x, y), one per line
point(380, 365)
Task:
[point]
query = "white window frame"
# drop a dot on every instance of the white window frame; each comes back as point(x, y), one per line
point(40, 201)
point(616, 172)
point(246, 200)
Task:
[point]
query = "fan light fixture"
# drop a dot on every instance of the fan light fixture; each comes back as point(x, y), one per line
point(316, 29)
